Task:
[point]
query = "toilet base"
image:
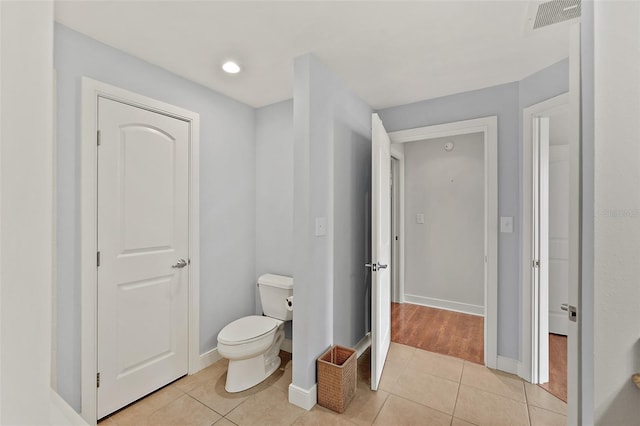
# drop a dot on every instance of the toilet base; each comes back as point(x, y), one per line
point(246, 373)
point(243, 374)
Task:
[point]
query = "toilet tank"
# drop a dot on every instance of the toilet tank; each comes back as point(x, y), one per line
point(274, 290)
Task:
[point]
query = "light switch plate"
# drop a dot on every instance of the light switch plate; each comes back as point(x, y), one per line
point(506, 224)
point(420, 218)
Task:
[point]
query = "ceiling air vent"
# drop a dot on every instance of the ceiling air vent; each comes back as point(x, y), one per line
point(556, 11)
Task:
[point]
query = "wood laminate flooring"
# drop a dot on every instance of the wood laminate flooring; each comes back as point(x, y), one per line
point(557, 384)
point(436, 330)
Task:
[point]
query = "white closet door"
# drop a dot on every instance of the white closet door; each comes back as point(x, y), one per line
point(143, 187)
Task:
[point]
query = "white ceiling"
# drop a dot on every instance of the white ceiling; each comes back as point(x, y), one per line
point(390, 53)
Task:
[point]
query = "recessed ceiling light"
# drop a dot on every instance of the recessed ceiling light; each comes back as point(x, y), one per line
point(231, 67)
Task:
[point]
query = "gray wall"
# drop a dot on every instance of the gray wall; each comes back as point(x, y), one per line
point(274, 193)
point(506, 101)
point(351, 218)
point(544, 84)
point(227, 191)
point(328, 121)
point(444, 256)
point(274, 189)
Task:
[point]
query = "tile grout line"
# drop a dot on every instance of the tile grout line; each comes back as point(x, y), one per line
point(423, 405)
point(526, 402)
point(205, 405)
point(495, 393)
point(390, 392)
point(381, 408)
point(550, 393)
point(455, 404)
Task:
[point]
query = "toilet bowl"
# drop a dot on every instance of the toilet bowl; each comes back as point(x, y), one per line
point(252, 343)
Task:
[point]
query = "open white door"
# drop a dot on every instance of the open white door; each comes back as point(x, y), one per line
point(573, 306)
point(558, 235)
point(541, 245)
point(380, 249)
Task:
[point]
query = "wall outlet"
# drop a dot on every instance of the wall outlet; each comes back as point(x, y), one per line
point(420, 218)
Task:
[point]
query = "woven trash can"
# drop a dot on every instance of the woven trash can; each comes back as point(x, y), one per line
point(337, 378)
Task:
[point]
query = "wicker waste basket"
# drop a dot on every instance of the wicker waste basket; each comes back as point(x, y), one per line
point(337, 380)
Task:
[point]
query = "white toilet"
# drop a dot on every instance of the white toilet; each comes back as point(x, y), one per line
point(252, 344)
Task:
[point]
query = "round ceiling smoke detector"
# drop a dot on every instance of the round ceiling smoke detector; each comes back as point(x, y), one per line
point(448, 146)
point(231, 67)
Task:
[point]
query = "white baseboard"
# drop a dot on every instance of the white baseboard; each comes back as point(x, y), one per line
point(448, 305)
point(208, 358)
point(363, 344)
point(508, 365)
point(287, 345)
point(303, 398)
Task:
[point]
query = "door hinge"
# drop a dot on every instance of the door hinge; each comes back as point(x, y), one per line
point(536, 263)
point(98, 259)
point(98, 380)
point(98, 138)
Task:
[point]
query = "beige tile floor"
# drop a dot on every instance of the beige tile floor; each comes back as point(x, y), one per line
point(417, 388)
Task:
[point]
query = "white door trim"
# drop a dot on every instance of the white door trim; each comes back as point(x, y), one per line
point(91, 89)
point(398, 155)
point(531, 308)
point(488, 126)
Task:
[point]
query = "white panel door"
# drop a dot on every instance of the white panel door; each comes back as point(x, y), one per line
point(143, 188)
point(558, 237)
point(380, 249)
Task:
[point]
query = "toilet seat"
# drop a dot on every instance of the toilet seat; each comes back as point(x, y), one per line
point(247, 329)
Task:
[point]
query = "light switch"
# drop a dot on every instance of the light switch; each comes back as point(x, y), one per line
point(420, 218)
point(321, 226)
point(506, 224)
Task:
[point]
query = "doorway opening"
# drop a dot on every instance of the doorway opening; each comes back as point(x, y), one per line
point(547, 239)
point(479, 137)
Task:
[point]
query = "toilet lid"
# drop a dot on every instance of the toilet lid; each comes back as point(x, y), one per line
point(246, 329)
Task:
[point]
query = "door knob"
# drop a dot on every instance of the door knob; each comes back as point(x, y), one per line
point(375, 266)
point(572, 310)
point(181, 264)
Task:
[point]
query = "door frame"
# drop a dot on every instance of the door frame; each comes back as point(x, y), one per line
point(488, 126)
point(398, 155)
point(91, 90)
point(535, 364)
